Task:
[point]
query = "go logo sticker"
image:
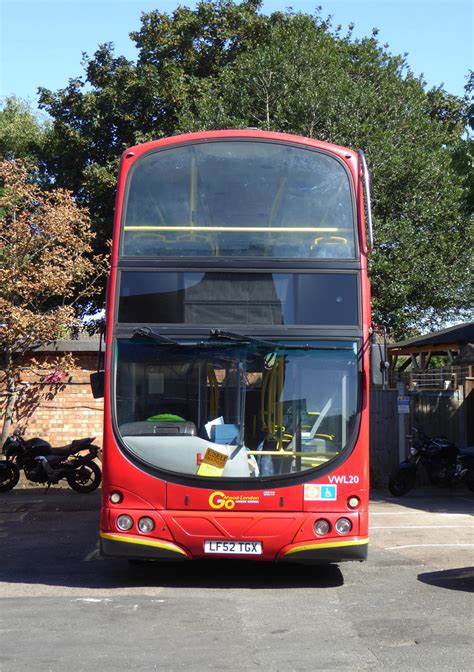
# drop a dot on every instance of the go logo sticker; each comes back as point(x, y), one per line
point(319, 493)
point(219, 500)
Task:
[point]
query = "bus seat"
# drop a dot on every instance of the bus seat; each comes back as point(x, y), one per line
point(233, 244)
point(147, 428)
point(194, 248)
point(168, 245)
point(285, 250)
point(331, 247)
point(138, 244)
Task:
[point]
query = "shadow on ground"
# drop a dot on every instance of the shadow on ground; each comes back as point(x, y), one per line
point(461, 578)
point(52, 540)
point(431, 499)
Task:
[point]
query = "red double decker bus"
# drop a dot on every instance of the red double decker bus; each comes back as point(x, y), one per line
point(237, 359)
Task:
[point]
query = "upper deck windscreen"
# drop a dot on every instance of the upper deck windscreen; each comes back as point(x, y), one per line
point(239, 198)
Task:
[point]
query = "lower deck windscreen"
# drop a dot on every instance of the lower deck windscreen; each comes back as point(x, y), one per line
point(234, 409)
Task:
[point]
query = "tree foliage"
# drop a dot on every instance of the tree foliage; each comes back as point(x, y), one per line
point(45, 268)
point(228, 65)
point(22, 136)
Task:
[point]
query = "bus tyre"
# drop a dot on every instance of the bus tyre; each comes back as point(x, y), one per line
point(9, 476)
point(401, 482)
point(86, 478)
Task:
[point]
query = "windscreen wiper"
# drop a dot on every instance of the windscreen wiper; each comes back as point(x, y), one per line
point(239, 338)
point(244, 338)
point(146, 332)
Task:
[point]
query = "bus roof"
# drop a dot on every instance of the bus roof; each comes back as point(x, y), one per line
point(247, 133)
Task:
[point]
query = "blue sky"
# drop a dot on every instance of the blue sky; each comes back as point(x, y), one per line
point(42, 40)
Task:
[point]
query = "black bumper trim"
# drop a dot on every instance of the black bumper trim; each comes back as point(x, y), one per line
point(323, 556)
point(130, 550)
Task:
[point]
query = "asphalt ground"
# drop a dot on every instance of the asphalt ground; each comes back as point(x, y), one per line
point(410, 607)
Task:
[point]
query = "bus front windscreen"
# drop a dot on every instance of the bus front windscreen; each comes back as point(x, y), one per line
point(239, 198)
point(262, 409)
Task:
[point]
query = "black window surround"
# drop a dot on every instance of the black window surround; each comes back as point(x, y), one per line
point(281, 251)
point(247, 298)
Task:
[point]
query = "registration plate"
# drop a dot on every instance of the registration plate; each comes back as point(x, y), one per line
point(234, 547)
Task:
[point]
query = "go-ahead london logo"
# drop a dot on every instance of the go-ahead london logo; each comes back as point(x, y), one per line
point(219, 500)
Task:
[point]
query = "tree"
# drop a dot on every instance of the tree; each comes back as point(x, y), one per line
point(464, 153)
point(22, 136)
point(309, 81)
point(45, 268)
point(227, 65)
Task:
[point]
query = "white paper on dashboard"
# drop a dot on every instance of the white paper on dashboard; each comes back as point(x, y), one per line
point(211, 423)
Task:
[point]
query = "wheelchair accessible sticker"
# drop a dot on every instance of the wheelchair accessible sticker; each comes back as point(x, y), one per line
point(318, 493)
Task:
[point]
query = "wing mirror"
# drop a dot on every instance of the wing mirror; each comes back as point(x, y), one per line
point(378, 358)
point(97, 379)
point(97, 384)
point(378, 365)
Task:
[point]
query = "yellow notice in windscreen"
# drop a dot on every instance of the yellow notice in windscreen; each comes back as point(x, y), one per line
point(213, 463)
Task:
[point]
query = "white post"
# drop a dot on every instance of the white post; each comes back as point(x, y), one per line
point(401, 425)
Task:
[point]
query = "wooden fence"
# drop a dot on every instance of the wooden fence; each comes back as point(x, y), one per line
point(383, 435)
point(440, 413)
point(436, 412)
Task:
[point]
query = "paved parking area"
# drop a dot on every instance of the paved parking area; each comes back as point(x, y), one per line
point(433, 527)
point(409, 607)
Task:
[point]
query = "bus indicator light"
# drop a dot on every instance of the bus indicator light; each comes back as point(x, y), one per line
point(321, 527)
point(353, 502)
point(343, 526)
point(146, 525)
point(124, 523)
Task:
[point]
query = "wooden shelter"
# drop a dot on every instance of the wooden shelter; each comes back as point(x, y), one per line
point(456, 342)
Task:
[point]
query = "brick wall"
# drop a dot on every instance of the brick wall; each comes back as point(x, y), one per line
point(59, 412)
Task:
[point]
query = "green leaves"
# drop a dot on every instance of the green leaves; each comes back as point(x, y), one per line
point(226, 65)
point(21, 134)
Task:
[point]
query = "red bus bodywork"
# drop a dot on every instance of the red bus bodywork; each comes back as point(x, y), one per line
point(281, 517)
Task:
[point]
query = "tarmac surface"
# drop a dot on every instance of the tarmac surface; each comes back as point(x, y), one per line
point(409, 607)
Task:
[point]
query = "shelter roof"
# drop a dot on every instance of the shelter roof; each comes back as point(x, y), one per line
point(451, 338)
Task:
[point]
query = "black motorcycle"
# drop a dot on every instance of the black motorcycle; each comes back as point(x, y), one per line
point(43, 464)
point(445, 464)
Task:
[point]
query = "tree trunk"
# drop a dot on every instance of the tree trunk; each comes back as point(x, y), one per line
point(11, 394)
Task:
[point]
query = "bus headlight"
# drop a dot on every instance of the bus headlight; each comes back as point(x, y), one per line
point(146, 525)
point(124, 523)
point(116, 497)
point(321, 527)
point(353, 502)
point(343, 526)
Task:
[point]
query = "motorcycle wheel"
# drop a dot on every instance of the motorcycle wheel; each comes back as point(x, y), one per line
point(9, 476)
point(470, 482)
point(86, 478)
point(439, 481)
point(401, 482)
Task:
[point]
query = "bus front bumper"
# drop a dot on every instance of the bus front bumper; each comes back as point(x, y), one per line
point(121, 546)
point(326, 552)
point(126, 546)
